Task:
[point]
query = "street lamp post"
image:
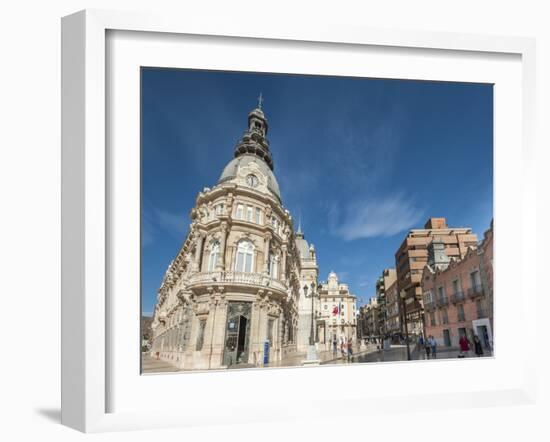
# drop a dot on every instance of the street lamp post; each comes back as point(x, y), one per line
point(312, 296)
point(312, 358)
point(403, 295)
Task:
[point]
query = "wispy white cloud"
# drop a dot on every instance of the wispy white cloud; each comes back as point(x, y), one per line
point(173, 223)
point(156, 221)
point(374, 218)
point(147, 229)
point(343, 276)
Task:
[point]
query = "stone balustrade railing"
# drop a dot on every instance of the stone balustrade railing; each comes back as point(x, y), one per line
point(245, 278)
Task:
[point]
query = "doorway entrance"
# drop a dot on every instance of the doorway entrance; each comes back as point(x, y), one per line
point(447, 337)
point(483, 335)
point(237, 333)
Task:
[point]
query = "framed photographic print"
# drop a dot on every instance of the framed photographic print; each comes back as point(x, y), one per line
point(245, 287)
point(251, 217)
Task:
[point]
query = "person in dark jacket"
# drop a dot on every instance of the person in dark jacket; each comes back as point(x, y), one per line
point(420, 343)
point(477, 346)
point(428, 349)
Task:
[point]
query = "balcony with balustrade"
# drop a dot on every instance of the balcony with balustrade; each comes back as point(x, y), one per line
point(248, 282)
point(442, 302)
point(429, 306)
point(457, 297)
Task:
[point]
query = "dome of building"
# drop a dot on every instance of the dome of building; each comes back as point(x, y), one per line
point(303, 247)
point(230, 171)
point(301, 243)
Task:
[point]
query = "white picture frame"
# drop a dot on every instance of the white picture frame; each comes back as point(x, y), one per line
point(86, 206)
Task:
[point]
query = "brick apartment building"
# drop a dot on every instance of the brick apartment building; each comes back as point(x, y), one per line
point(412, 257)
point(457, 294)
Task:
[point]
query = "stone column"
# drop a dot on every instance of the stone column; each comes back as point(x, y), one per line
point(276, 348)
point(208, 341)
point(223, 240)
point(218, 332)
point(254, 326)
point(283, 262)
point(262, 328)
point(191, 354)
point(267, 242)
point(198, 251)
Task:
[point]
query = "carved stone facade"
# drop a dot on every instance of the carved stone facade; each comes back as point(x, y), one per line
point(309, 274)
point(231, 296)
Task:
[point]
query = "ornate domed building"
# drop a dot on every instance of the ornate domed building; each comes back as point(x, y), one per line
point(232, 296)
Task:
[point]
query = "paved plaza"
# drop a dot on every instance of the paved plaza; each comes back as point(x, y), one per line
point(368, 353)
point(399, 353)
point(152, 365)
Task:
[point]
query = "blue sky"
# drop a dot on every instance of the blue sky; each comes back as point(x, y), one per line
point(362, 160)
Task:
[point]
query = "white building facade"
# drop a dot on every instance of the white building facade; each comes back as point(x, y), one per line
point(309, 274)
point(232, 296)
point(337, 315)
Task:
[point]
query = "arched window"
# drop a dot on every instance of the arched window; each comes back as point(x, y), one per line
point(245, 257)
point(273, 265)
point(214, 255)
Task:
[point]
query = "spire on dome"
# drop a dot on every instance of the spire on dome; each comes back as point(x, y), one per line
point(260, 101)
point(299, 232)
point(254, 139)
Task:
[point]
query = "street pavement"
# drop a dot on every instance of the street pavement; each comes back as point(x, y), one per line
point(446, 353)
point(399, 353)
point(152, 365)
point(325, 357)
point(368, 353)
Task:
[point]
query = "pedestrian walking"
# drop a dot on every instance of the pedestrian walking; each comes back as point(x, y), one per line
point(428, 349)
point(334, 347)
point(420, 343)
point(477, 346)
point(343, 347)
point(350, 349)
point(464, 346)
point(433, 346)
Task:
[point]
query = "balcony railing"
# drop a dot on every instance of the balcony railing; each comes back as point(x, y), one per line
point(475, 291)
point(481, 313)
point(457, 297)
point(442, 302)
point(240, 278)
point(429, 306)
